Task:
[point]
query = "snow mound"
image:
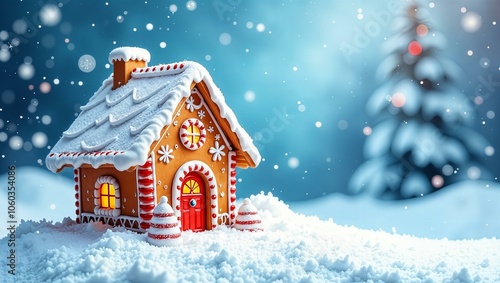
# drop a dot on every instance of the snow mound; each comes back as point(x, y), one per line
point(292, 248)
point(464, 210)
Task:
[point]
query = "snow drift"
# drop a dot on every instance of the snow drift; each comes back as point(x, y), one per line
point(292, 248)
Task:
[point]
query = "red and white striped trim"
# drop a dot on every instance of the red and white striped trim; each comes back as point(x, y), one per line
point(79, 153)
point(76, 173)
point(204, 170)
point(248, 222)
point(146, 189)
point(231, 196)
point(164, 226)
point(185, 134)
point(248, 213)
point(164, 236)
point(169, 69)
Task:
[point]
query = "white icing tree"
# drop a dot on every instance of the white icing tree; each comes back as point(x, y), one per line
point(421, 140)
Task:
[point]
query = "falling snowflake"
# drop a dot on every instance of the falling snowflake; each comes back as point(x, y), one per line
point(217, 151)
point(201, 114)
point(217, 137)
point(165, 153)
point(190, 104)
point(86, 63)
point(210, 129)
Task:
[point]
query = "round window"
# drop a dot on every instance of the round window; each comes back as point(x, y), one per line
point(193, 134)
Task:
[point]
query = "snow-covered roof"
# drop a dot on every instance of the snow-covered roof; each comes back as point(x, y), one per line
point(119, 126)
point(129, 53)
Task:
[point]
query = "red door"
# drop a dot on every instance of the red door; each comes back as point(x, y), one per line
point(193, 203)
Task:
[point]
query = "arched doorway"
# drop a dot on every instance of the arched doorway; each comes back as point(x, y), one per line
point(193, 202)
point(209, 191)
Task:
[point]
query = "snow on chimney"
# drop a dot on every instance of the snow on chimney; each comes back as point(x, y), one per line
point(124, 60)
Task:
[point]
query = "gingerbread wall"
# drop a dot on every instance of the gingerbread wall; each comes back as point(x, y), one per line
point(177, 154)
point(128, 188)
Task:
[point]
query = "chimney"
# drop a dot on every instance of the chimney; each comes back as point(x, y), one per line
point(124, 60)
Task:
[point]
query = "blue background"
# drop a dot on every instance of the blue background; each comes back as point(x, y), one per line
point(312, 62)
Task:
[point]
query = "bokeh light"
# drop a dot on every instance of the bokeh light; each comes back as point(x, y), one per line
point(473, 173)
point(367, 131)
point(293, 162)
point(422, 30)
point(415, 48)
point(191, 5)
point(50, 15)
point(249, 96)
point(471, 22)
point(26, 71)
point(398, 99)
point(225, 38)
point(437, 181)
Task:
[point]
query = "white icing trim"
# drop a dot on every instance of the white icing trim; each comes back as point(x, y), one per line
point(97, 147)
point(102, 211)
point(204, 170)
point(107, 83)
point(138, 99)
point(101, 120)
point(115, 122)
point(77, 133)
point(113, 221)
point(110, 102)
point(93, 103)
point(127, 53)
point(204, 104)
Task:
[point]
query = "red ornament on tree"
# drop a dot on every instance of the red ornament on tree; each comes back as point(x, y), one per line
point(414, 48)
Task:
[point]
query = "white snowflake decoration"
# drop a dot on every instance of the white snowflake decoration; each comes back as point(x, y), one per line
point(217, 151)
point(201, 114)
point(210, 129)
point(217, 137)
point(190, 104)
point(165, 154)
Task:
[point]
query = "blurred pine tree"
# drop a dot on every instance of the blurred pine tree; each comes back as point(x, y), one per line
point(422, 139)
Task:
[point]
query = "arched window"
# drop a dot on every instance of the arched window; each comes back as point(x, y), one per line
point(193, 184)
point(107, 197)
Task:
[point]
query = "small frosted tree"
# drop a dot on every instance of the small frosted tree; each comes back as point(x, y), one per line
point(422, 139)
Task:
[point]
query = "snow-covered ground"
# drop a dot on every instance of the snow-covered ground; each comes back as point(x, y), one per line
point(468, 210)
point(292, 248)
point(40, 194)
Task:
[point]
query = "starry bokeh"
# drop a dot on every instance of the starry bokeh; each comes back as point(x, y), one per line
point(297, 74)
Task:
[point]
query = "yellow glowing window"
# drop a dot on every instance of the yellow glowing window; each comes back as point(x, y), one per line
point(108, 196)
point(191, 186)
point(193, 134)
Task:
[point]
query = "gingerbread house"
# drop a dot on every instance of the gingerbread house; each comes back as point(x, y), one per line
point(149, 132)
